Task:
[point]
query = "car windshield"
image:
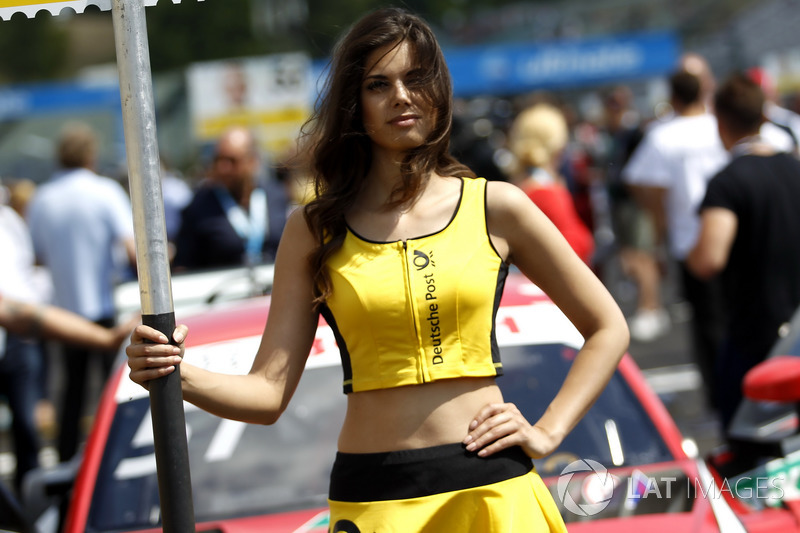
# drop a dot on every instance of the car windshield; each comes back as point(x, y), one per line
point(242, 470)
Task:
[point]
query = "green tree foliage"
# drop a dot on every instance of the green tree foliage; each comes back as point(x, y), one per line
point(199, 31)
point(215, 29)
point(328, 20)
point(179, 34)
point(32, 49)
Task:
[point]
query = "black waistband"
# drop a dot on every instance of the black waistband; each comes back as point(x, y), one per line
point(415, 473)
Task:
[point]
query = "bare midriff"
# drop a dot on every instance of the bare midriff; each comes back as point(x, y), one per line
point(414, 416)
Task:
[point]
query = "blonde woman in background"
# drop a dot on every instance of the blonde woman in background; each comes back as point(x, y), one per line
point(537, 140)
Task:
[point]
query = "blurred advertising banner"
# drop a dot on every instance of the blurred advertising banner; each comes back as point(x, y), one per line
point(783, 67)
point(273, 95)
point(27, 100)
point(10, 7)
point(520, 67)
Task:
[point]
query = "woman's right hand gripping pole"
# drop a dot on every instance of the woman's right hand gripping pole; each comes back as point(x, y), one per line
point(261, 395)
point(151, 356)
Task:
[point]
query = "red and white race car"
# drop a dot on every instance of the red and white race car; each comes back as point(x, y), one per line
point(622, 469)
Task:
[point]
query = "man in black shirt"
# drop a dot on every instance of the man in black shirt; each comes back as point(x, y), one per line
point(750, 233)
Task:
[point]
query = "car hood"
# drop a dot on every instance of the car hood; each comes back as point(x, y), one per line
point(305, 521)
point(657, 523)
point(626, 512)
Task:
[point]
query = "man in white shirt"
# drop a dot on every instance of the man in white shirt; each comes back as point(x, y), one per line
point(21, 359)
point(25, 316)
point(81, 223)
point(668, 174)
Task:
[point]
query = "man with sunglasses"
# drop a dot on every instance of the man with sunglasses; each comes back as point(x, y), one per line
point(237, 215)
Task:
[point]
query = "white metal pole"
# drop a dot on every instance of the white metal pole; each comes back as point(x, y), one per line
point(144, 175)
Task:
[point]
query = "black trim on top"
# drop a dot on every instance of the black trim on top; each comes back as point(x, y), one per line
point(502, 274)
point(347, 367)
point(452, 218)
point(486, 220)
point(402, 474)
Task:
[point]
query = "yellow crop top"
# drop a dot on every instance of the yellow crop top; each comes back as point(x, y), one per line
point(420, 310)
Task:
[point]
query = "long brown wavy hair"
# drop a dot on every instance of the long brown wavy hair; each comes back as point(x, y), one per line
point(339, 147)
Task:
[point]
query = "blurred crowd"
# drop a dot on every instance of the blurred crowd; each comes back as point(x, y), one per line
point(630, 189)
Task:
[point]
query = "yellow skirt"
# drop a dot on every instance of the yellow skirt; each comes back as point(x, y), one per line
point(440, 489)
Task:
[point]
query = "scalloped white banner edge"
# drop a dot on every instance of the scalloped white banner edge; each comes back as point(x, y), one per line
point(30, 9)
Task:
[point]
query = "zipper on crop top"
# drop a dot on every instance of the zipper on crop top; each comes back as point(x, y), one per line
point(414, 316)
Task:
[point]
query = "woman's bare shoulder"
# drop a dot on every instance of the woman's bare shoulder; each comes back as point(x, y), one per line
point(297, 223)
point(297, 235)
point(506, 199)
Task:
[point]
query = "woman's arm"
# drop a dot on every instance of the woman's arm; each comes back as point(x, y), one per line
point(521, 232)
point(52, 322)
point(261, 395)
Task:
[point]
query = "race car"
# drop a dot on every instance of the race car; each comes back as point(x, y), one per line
point(623, 468)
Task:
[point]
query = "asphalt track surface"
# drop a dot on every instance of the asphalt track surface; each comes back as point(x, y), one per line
point(667, 361)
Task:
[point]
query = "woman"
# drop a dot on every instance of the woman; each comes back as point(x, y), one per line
point(404, 252)
point(538, 138)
